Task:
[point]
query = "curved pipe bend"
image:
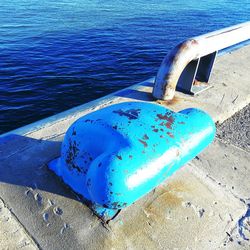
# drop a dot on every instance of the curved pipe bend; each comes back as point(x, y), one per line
point(176, 61)
point(171, 68)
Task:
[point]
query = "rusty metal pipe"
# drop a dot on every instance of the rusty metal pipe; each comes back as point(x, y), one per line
point(192, 49)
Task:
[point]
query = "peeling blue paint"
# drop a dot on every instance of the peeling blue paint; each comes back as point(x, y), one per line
point(116, 155)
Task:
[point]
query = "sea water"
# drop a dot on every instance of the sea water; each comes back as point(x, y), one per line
point(55, 55)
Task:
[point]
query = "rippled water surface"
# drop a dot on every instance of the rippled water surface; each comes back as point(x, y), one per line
point(55, 55)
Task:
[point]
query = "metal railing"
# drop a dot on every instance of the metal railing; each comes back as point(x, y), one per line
point(188, 66)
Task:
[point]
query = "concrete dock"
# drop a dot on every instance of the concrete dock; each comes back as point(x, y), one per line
point(205, 205)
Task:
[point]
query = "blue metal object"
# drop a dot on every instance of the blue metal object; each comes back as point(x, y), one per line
point(116, 155)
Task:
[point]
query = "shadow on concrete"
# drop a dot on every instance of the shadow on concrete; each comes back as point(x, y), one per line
point(135, 94)
point(23, 163)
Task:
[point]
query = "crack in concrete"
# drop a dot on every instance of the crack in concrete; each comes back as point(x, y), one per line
point(240, 225)
point(245, 219)
point(232, 145)
point(246, 216)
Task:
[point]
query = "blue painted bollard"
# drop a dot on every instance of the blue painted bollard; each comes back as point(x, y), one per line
point(116, 155)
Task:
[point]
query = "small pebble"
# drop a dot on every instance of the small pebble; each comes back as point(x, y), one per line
point(50, 202)
point(186, 204)
point(45, 217)
point(201, 211)
point(38, 198)
point(65, 226)
point(57, 211)
point(27, 192)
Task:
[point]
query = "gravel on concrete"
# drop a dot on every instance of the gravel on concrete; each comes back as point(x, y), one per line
point(236, 129)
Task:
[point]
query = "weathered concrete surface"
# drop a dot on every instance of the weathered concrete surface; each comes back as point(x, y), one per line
point(236, 130)
point(228, 167)
point(183, 213)
point(191, 210)
point(184, 205)
point(12, 233)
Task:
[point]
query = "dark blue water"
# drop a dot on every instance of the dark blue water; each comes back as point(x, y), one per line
point(55, 55)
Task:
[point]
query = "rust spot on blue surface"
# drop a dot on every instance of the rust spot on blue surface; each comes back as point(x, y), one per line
point(145, 137)
point(88, 182)
point(131, 114)
point(119, 157)
point(170, 135)
point(169, 122)
point(71, 154)
point(167, 117)
point(156, 130)
point(115, 204)
point(119, 204)
point(169, 125)
point(88, 120)
point(143, 142)
point(181, 122)
point(163, 117)
point(76, 167)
